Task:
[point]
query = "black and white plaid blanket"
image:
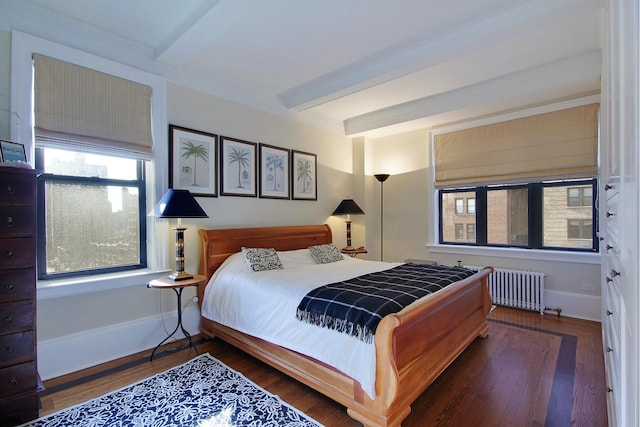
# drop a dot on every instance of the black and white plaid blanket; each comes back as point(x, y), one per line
point(357, 305)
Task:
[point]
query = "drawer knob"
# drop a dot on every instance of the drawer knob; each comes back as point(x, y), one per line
point(9, 349)
point(609, 349)
point(9, 189)
point(608, 279)
point(609, 312)
point(8, 221)
point(609, 214)
point(614, 273)
point(8, 319)
point(608, 187)
point(13, 382)
point(609, 389)
point(9, 253)
point(9, 287)
point(609, 247)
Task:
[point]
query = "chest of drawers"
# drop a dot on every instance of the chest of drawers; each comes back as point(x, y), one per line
point(18, 370)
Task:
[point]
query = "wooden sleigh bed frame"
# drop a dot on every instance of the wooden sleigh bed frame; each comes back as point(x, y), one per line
point(413, 346)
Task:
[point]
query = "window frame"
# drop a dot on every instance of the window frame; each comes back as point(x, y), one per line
point(23, 46)
point(41, 249)
point(535, 215)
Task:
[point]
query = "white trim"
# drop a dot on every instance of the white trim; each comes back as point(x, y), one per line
point(74, 352)
point(51, 289)
point(580, 306)
point(528, 254)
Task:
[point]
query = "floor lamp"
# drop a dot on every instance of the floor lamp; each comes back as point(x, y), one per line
point(381, 177)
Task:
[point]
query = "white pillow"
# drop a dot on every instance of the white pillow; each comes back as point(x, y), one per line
point(325, 254)
point(261, 259)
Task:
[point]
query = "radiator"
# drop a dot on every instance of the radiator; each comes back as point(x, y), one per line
point(514, 288)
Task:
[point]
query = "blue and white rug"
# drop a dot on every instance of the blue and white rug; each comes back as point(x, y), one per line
point(203, 392)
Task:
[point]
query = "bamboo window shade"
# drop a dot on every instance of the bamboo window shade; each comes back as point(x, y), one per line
point(85, 110)
point(551, 146)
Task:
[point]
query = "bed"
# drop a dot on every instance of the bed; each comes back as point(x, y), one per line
point(411, 347)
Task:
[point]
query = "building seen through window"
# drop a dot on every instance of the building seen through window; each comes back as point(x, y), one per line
point(92, 219)
point(554, 215)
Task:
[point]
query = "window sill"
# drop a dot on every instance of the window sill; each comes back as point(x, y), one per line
point(530, 254)
point(51, 289)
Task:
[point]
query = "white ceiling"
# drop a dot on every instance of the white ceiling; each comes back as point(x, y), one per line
point(356, 67)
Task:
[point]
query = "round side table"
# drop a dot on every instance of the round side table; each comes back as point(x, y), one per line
point(177, 286)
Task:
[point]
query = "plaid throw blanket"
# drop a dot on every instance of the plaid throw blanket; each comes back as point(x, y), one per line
point(357, 305)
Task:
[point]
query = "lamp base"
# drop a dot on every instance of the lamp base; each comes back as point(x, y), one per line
point(180, 275)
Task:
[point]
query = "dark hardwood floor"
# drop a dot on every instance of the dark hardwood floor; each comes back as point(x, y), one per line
point(532, 370)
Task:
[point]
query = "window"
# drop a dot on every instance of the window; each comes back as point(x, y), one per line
point(24, 50)
point(459, 206)
point(471, 232)
point(536, 215)
point(579, 229)
point(471, 206)
point(91, 213)
point(579, 196)
point(92, 139)
point(459, 231)
point(454, 218)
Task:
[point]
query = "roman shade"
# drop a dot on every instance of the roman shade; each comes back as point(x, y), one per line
point(80, 109)
point(551, 146)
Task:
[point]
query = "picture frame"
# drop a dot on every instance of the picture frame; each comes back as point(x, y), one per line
point(12, 152)
point(274, 172)
point(238, 167)
point(193, 160)
point(304, 175)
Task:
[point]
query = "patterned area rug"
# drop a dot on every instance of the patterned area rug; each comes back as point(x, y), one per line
point(203, 392)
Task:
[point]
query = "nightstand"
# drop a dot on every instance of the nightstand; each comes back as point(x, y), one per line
point(177, 286)
point(354, 252)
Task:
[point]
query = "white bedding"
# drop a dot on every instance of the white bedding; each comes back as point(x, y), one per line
point(263, 304)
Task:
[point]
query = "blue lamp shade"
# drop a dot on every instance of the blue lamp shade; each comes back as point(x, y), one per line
point(348, 207)
point(179, 204)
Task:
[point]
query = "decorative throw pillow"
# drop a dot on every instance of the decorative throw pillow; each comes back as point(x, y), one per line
point(261, 259)
point(324, 254)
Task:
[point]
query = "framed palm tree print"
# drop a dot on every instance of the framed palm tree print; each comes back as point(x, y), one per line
point(274, 172)
point(304, 176)
point(193, 161)
point(238, 167)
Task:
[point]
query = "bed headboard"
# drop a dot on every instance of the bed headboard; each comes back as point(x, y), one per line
point(218, 245)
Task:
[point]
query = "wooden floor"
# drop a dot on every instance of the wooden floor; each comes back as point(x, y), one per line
point(532, 370)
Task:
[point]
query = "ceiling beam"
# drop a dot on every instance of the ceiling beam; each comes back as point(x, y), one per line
point(202, 30)
point(430, 49)
point(561, 73)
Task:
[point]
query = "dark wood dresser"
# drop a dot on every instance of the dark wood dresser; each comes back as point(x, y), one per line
point(18, 370)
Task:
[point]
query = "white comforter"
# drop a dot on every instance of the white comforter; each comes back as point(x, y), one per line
point(263, 304)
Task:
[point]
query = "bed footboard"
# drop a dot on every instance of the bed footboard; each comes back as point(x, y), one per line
point(415, 346)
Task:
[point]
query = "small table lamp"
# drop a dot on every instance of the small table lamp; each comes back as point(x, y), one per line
point(179, 204)
point(348, 207)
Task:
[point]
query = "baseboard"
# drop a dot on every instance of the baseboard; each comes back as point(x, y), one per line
point(580, 306)
point(72, 353)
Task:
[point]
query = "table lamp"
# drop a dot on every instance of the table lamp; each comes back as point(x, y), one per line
point(179, 204)
point(348, 207)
